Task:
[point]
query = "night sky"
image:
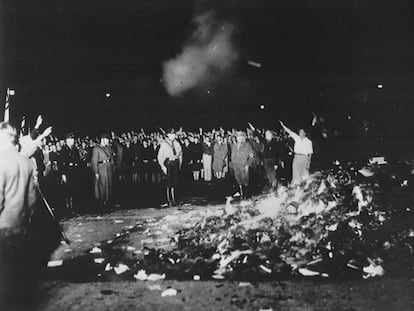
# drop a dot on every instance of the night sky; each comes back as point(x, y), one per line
point(63, 56)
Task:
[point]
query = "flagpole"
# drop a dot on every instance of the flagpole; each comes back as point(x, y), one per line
point(6, 107)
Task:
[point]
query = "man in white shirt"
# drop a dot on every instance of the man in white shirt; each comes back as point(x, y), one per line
point(170, 158)
point(303, 154)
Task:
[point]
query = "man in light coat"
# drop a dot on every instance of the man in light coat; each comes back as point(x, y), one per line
point(18, 191)
point(242, 157)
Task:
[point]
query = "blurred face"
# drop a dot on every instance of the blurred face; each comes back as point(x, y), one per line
point(268, 135)
point(302, 133)
point(70, 142)
point(240, 138)
point(171, 136)
point(104, 141)
point(5, 139)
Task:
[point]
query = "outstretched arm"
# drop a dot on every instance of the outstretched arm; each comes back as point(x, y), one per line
point(289, 131)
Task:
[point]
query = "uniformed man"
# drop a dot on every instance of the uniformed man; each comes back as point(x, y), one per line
point(270, 159)
point(69, 165)
point(170, 158)
point(103, 168)
point(242, 156)
point(256, 171)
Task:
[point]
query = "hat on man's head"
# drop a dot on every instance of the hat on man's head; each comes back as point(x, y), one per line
point(170, 131)
point(70, 135)
point(105, 135)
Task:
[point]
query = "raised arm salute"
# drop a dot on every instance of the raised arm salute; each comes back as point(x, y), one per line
point(303, 154)
point(289, 131)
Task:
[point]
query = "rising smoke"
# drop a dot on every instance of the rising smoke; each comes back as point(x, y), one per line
point(208, 55)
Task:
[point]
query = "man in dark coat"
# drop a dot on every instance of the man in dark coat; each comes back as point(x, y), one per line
point(69, 166)
point(103, 168)
point(256, 171)
point(271, 156)
point(18, 190)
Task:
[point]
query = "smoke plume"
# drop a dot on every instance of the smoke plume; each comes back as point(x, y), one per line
point(207, 55)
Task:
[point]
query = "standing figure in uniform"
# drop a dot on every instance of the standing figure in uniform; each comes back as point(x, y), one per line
point(103, 167)
point(303, 153)
point(256, 171)
point(242, 156)
point(207, 158)
point(170, 158)
point(270, 159)
point(69, 169)
point(220, 157)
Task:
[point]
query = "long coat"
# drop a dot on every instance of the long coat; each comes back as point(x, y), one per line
point(18, 191)
point(103, 164)
point(242, 157)
point(219, 158)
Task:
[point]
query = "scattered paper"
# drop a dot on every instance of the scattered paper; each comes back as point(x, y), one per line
point(141, 275)
point(121, 268)
point(373, 270)
point(245, 284)
point(95, 250)
point(154, 287)
point(366, 172)
point(332, 227)
point(169, 292)
point(265, 269)
point(307, 272)
point(156, 277)
point(54, 263)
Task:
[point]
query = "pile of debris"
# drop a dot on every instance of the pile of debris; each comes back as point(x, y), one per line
point(338, 223)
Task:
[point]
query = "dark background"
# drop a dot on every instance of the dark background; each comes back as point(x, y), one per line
point(63, 56)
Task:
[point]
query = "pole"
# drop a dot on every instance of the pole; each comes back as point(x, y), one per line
point(46, 204)
point(7, 107)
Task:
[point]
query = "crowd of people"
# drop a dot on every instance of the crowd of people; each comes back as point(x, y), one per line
point(74, 167)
